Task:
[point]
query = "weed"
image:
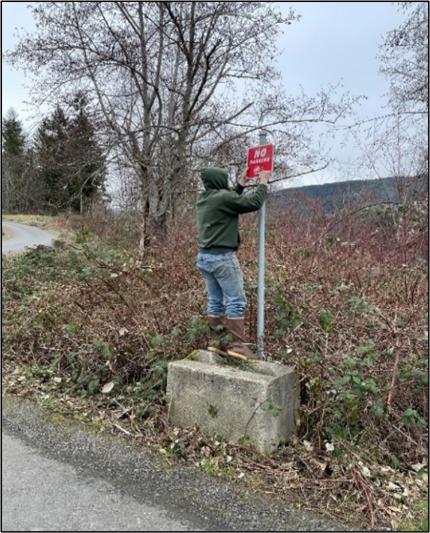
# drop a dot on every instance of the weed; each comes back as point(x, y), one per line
point(213, 411)
point(274, 410)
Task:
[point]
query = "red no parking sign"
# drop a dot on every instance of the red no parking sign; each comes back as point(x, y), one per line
point(259, 158)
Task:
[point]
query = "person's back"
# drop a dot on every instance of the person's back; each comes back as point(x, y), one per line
point(218, 210)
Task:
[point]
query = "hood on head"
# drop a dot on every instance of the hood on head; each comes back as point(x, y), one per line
point(214, 178)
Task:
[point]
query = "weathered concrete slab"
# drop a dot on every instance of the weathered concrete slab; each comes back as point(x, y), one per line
point(254, 404)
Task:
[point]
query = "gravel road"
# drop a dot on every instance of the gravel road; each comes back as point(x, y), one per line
point(23, 236)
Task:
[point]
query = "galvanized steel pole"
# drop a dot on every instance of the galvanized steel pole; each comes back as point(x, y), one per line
point(261, 265)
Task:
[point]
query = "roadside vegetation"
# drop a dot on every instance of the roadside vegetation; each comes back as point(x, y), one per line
point(55, 224)
point(90, 326)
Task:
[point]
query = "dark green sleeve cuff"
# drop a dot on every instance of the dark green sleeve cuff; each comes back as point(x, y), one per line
point(263, 188)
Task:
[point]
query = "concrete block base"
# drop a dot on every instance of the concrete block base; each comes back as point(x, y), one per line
point(253, 403)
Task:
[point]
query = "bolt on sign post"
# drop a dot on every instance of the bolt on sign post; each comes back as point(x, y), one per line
point(260, 158)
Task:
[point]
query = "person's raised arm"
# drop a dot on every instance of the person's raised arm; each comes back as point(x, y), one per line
point(249, 202)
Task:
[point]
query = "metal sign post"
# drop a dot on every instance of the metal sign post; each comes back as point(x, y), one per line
point(261, 265)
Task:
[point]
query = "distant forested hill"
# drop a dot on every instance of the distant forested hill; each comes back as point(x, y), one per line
point(333, 196)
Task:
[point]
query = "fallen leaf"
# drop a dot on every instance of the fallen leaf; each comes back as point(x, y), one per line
point(385, 469)
point(108, 387)
point(418, 466)
point(308, 445)
point(321, 465)
point(394, 510)
point(206, 451)
point(365, 471)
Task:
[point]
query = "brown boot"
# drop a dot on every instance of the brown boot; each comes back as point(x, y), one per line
point(217, 343)
point(239, 348)
point(215, 322)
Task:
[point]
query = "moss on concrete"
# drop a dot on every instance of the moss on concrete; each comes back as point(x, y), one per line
point(192, 356)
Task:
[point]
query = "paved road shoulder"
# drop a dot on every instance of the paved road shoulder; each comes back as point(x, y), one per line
point(22, 236)
point(109, 466)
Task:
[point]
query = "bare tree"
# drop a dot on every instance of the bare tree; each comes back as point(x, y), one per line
point(157, 74)
point(404, 60)
point(395, 143)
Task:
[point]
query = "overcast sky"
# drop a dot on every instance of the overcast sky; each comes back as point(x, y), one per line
point(333, 41)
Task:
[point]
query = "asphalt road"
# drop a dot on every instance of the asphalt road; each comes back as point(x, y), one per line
point(23, 236)
point(42, 494)
point(59, 476)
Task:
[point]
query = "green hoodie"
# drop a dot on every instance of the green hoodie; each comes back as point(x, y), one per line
point(218, 210)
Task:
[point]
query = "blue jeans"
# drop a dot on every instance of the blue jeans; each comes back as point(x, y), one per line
point(224, 284)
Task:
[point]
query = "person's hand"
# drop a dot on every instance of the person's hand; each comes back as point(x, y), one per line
point(242, 178)
point(264, 176)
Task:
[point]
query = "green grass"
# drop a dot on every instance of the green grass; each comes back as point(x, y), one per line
point(31, 220)
point(420, 520)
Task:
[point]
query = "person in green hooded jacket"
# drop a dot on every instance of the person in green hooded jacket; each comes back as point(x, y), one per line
point(218, 210)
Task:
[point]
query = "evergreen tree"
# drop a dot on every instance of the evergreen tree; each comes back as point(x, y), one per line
point(13, 138)
point(70, 163)
point(15, 167)
point(51, 148)
point(88, 162)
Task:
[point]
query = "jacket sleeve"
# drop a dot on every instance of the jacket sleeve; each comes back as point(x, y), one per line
point(245, 203)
